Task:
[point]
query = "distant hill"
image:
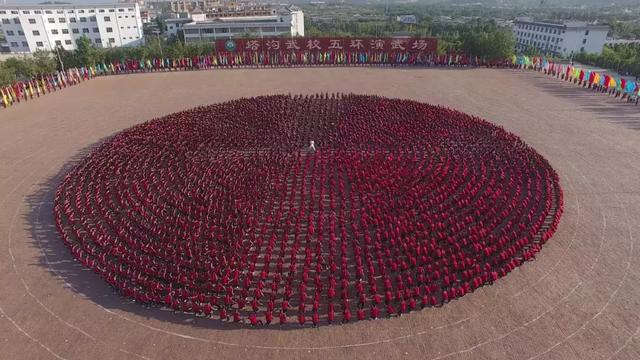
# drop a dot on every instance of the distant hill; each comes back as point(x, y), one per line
point(534, 3)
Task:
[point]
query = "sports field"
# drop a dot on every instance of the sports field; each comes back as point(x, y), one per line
point(580, 298)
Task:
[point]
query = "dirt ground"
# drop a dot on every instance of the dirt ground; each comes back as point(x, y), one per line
point(579, 300)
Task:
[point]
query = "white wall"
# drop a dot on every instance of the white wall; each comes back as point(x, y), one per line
point(123, 21)
point(297, 23)
point(292, 24)
point(571, 39)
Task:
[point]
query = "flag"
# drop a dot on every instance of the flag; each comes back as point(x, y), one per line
point(5, 101)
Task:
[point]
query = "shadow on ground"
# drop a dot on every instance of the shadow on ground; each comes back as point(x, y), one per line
point(605, 107)
point(58, 261)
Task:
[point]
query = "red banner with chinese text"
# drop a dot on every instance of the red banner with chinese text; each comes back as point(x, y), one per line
point(427, 45)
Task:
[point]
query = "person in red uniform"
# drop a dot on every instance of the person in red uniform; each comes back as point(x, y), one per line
point(331, 314)
point(268, 316)
point(346, 315)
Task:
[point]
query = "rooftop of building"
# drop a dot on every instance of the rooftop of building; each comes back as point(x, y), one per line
point(561, 24)
point(66, 6)
point(286, 10)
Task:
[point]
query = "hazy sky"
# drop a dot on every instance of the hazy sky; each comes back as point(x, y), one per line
point(30, 2)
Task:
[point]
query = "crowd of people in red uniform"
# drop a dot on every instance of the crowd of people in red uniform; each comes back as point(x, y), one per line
point(224, 212)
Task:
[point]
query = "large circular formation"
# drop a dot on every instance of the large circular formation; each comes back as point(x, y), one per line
point(225, 211)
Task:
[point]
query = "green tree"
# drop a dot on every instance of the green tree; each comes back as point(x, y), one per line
point(44, 62)
point(488, 41)
point(7, 74)
point(85, 52)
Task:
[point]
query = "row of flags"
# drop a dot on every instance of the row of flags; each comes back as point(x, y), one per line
point(42, 84)
point(582, 76)
point(280, 58)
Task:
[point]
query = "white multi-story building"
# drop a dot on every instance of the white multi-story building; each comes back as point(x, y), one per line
point(28, 28)
point(288, 21)
point(175, 25)
point(562, 39)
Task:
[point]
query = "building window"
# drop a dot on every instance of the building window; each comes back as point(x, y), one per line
point(36, 33)
point(25, 44)
point(14, 12)
point(39, 44)
point(93, 18)
point(58, 43)
point(6, 21)
point(75, 31)
point(107, 19)
point(83, 19)
point(16, 21)
point(92, 10)
point(81, 11)
point(54, 31)
point(586, 33)
point(582, 49)
point(37, 11)
point(20, 32)
point(85, 30)
point(98, 41)
point(32, 21)
point(112, 40)
point(62, 20)
point(109, 29)
point(584, 41)
point(10, 32)
point(14, 44)
point(101, 10)
point(60, 11)
point(120, 10)
point(26, 12)
point(51, 20)
point(65, 31)
point(67, 42)
point(95, 30)
point(112, 10)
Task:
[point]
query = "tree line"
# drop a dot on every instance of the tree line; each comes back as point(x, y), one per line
point(623, 58)
point(14, 69)
point(479, 37)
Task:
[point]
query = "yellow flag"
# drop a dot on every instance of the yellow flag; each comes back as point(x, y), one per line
point(5, 102)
